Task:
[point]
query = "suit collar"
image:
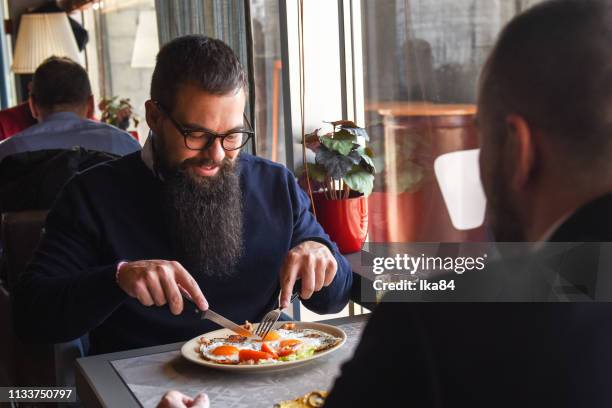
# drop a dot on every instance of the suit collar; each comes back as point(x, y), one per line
point(590, 223)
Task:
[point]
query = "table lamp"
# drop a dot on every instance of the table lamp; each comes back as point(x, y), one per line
point(146, 43)
point(40, 36)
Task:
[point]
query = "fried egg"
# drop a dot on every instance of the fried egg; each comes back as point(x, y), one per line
point(227, 350)
point(305, 338)
point(223, 351)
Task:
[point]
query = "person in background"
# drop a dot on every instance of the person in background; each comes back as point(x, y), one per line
point(544, 117)
point(190, 214)
point(61, 101)
point(176, 399)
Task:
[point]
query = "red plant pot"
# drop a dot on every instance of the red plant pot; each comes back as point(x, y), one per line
point(345, 221)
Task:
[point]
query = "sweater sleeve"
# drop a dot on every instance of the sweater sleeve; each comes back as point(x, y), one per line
point(65, 291)
point(333, 298)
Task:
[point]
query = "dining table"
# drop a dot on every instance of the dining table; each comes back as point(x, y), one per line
point(140, 377)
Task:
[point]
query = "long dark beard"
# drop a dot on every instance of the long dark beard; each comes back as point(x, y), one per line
point(205, 218)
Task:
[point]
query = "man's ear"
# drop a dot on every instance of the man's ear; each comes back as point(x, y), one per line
point(91, 109)
point(523, 151)
point(153, 116)
point(34, 109)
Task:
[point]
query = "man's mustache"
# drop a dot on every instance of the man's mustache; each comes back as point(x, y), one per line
point(203, 161)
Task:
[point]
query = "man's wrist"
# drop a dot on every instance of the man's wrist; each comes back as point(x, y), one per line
point(318, 240)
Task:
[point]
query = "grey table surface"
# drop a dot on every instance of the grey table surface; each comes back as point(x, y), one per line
point(140, 377)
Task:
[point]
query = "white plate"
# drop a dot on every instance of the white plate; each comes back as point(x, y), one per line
point(191, 349)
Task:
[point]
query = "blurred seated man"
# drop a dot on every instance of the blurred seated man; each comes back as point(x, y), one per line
point(61, 101)
point(189, 213)
point(544, 114)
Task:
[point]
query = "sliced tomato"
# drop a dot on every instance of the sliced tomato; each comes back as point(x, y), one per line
point(255, 355)
point(266, 348)
point(285, 351)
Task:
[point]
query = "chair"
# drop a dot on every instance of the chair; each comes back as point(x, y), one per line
point(32, 180)
point(8, 363)
point(14, 120)
point(458, 176)
point(19, 234)
point(23, 364)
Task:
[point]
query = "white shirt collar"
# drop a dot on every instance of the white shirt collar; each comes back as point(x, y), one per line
point(146, 154)
point(550, 232)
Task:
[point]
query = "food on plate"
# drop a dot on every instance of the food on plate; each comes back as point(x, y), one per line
point(287, 343)
point(312, 399)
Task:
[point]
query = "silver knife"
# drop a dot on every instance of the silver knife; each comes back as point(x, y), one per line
point(220, 320)
point(227, 323)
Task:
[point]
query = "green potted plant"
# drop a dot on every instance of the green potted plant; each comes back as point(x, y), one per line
point(339, 181)
point(118, 112)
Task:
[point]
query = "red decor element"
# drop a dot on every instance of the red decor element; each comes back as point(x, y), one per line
point(134, 134)
point(14, 120)
point(345, 221)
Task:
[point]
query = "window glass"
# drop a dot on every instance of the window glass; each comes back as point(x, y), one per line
point(121, 56)
point(421, 64)
point(268, 80)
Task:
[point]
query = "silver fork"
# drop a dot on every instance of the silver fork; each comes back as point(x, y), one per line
point(270, 318)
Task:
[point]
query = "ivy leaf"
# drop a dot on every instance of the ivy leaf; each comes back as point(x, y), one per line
point(316, 172)
point(312, 140)
point(358, 132)
point(350, 127)
point(344, 123)
point(354, 156)
point(365, 160)
point(344, 134)
point(360, 180)
point(336, 164)
point(340, 143)
point(368, 164)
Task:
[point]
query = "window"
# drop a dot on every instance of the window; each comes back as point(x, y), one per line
point(121, 52)
point(270, 125)
point(421, 63)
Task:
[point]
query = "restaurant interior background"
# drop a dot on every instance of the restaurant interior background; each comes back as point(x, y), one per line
point(406, 70)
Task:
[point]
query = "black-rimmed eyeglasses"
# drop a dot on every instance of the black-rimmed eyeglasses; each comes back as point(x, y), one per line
point(202, 139)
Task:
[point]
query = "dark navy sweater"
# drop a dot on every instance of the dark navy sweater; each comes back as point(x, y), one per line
point(113, 212)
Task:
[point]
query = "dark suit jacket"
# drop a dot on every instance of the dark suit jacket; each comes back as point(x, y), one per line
point(489, 354)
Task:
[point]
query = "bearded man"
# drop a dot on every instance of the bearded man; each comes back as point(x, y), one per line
point(189, 213)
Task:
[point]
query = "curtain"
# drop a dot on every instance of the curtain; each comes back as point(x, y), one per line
point(227, 20)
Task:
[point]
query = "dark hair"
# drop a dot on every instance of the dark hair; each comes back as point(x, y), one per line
point(553, 66)
point(60, 82)
point(205, 62)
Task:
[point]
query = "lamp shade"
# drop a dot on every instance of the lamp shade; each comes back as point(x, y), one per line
point(146, 43)
point(41, 36)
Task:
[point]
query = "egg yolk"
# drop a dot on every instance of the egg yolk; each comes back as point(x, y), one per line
point(289, 342)
point(225, 351)
point(272, 335)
